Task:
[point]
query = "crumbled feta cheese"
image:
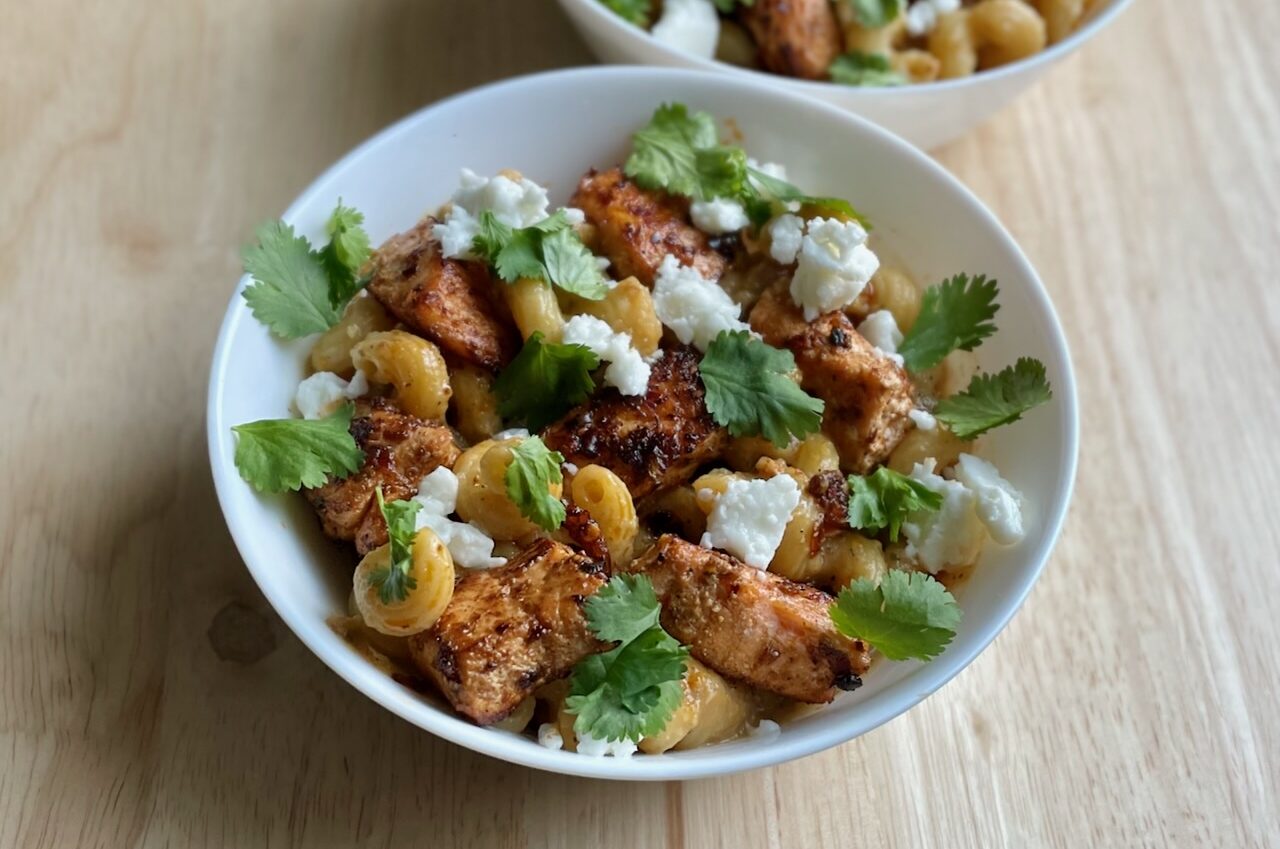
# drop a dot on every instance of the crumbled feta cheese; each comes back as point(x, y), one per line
point(786, 232)
point(769, 169)
point(923, 419)
point(881, 330)
point(952, 535)
point(511, 433)
point(549, 736)
point(574, 216)
point(767, 729)
point(694, 308)
point(749, 518)
point(834, 266)
point(718, 215)
point(517, 204)
point(627, 369)
point(569, 468)
point(999, 503)
point(591, 747)
point(323, 392)
point(469, 546)
point(689, 25)
point(922, 16)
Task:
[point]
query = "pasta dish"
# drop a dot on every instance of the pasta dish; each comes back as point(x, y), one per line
point(653, 470)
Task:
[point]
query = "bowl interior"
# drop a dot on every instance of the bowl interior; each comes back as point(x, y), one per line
point(541, 126)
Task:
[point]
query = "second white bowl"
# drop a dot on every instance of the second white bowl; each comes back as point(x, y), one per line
point(926, 114)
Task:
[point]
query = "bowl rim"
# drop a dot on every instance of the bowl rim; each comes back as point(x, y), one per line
point(895, 701)
point(821, 88)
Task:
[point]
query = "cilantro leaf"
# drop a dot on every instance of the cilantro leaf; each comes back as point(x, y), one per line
point(749, 390)
point(347, 251)
point(275, 455)
point(290, 292)
point(680, 152)
point(864, 69)
point(873, 14)
point(811, 205)
point(638, 12)
point(298, 291)
point(631, 691)
point(533, 469)
point(394, 581)
point(955, 314)
point(727, 6)
point(623, 609)
point(909, 615)
point(994, 400)
point(884, 498)
point(548, 250)
point(545, 380)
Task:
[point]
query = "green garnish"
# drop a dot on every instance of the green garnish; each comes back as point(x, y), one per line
point(954, 315)
point(533, 469)
point(909, 615)
point(994, 400)
point(884, 498)
point(864, 69)
point(276, 455)
point(544, 381)
point(549, 250)
point(394, 581)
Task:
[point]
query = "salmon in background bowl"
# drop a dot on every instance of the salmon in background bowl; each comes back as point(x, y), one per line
point(927, 114)
point(538, 125)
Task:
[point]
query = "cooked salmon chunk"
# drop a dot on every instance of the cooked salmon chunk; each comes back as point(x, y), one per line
point(510, 630)
point(751, 625)
point(651, 441)
point(637, 227)
point(869, 397)
point(797, 38)
point(399, 451)
point(454, 303)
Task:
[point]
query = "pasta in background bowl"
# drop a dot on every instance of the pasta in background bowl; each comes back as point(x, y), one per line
point(920, 213)
point(926, 114)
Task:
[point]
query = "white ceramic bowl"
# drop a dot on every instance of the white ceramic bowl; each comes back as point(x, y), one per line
point(926, 115)
point(539, 125)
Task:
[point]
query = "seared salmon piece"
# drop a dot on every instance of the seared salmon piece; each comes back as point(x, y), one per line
point(399, 451)
point(454, 303)
point(868, 396)
point(797, 38)
point(508, 631)
point(637, 227)
point(651, 441)
point(751, 625)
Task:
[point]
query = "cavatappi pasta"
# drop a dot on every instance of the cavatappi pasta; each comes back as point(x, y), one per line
point(498, 537)
point(867, 43)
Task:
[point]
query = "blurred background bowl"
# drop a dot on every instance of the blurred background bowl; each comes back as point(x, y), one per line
point(925, 114)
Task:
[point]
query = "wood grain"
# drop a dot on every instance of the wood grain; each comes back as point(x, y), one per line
point(1131, 703)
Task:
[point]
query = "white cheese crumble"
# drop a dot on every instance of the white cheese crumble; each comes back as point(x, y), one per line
point(593, 748)
point(569, 468)
point(999, 504)
point(749, 518)
point(767, 729)
point(952, 535)
point(923, 419)
point(323, 392)
point(769, 169)
point(718, 215)
point(922, 16)
point(549, 736)
point(511, 433)
point(881, 330)
point(469, 546)
point(627, 369)
point(689, 25)
point(833, 268)
point(516, 204)
point(694, 308)
point(786, 232)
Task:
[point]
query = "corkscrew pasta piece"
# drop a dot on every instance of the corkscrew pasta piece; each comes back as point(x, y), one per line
point(332, 351)
point(414, 368)
point(796, 555)
point(627, 308)
point(535, 308)
point(482, 491)
point(986, 35)
point(918, 445)
point(475, 407)
point(519, 719)
point(848, 556)
point(721, 709)
point(1061, 17)
point(896, 292)
point(605, 497)
point(431, 568)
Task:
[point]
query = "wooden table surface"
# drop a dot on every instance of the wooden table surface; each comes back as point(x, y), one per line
point(1131, 702)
